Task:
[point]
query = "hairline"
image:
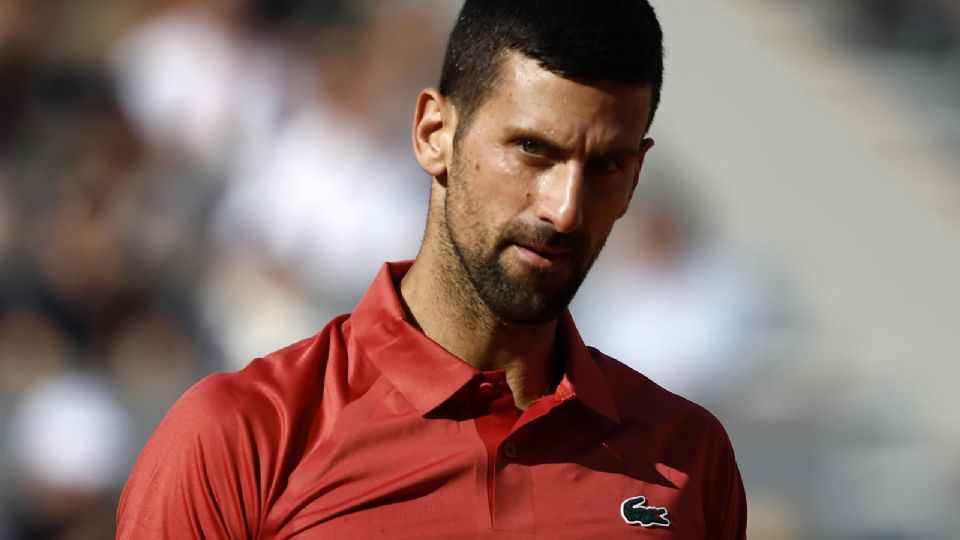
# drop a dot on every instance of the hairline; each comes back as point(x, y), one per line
point(466, 114)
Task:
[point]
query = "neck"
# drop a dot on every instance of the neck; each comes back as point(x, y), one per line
point(449, 311)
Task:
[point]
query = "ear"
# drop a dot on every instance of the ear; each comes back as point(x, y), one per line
point(434, 124)
point(645, 147)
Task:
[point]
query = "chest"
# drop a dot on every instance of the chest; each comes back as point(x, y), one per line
point(391, 473)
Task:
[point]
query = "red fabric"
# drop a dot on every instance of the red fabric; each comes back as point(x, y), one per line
point(371, 430)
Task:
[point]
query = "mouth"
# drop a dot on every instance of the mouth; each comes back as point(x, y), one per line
point(545, 257)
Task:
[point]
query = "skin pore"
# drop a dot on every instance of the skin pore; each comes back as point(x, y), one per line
point(520, 207)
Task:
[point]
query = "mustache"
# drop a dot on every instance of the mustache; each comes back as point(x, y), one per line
point(544, 235)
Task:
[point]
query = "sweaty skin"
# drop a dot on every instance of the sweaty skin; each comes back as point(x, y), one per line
point(519, 210)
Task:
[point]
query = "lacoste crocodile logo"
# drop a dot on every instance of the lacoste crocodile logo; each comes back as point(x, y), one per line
point(635, 512)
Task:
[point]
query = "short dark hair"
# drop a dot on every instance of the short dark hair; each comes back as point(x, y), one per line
point(591, 40)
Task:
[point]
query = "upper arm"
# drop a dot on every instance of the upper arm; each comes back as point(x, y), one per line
point(197, 475)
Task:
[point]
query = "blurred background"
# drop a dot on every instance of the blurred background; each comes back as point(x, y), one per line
point(188, 184)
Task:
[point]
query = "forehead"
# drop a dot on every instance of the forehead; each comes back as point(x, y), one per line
point(529, 96)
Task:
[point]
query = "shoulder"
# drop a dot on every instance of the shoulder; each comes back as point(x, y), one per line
point(280, 383)
point(248, 414)
point(642, 402)
point(686, 437)
point(199, 460)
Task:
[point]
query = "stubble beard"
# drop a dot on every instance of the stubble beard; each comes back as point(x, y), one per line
point(526, 300)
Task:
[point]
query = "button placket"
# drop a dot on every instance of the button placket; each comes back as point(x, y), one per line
point(487, 390)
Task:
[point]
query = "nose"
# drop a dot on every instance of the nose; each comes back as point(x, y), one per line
point(560, 200)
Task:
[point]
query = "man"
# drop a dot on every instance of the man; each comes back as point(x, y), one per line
point(458, 400)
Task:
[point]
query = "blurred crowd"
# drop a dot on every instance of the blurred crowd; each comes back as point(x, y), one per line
point(188, 184)
point(184, 186)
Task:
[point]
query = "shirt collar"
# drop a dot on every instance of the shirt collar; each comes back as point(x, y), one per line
point(428, 375)
point(583, 377)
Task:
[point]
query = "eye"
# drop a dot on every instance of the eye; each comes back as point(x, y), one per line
point(530, 146)
point(606, 165)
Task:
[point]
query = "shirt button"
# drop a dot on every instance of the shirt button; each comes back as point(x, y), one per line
point(509, 450)
point(486, 390)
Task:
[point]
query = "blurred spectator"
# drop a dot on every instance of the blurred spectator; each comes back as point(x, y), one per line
point(83, 272)
point(334, 191)
point(152, 358)
point(70, 448)
point(250, 308)
point(315, 183)
point(200, 83)
point(32, 348)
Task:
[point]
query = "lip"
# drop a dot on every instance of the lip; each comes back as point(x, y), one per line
point(548, 250)
point(544, 257)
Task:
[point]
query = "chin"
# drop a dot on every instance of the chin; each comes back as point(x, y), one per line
point(528, 303)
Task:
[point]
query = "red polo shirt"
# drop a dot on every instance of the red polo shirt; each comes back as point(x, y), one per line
point(371, 430)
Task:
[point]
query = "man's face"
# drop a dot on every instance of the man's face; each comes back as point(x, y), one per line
point(540, 175)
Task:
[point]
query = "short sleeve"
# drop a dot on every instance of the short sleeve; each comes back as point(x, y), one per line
point(197, 475)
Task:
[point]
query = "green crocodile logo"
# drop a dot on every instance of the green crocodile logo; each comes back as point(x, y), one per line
point(635, 512)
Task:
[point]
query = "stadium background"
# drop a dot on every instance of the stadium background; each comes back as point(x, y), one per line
point(185, 185)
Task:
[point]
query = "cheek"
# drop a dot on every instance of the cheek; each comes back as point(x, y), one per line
point(473, 210)
point(499, 190)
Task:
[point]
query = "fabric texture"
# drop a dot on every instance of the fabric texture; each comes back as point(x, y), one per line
point(371, 430)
